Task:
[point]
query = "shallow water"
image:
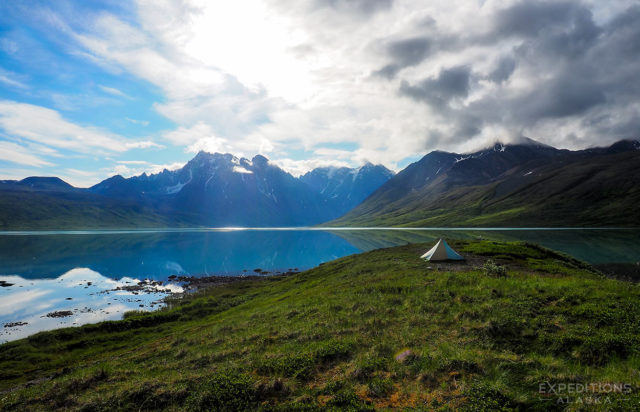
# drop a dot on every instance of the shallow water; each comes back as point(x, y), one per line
point(47, 268)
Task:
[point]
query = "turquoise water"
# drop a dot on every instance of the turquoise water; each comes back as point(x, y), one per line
point(86, 272)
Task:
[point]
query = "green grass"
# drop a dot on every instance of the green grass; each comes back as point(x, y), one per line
point(328, 338)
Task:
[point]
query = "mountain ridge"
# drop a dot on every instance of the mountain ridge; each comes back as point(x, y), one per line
point(212, 189)
point(521, 184)
point(508, 185)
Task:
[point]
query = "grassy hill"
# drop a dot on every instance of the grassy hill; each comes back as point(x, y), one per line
point(573, 190)
point(382, 329)
point(31, 210)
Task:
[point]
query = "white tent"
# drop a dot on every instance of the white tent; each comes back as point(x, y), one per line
point(441, 251)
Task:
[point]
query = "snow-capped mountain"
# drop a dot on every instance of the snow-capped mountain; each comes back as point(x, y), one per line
point(224, 190)
point(344, 188)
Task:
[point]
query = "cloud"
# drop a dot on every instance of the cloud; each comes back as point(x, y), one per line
point(47, 127)
point(12, 79)
point(283, 77)
point(405, 53)
point(450, 83)
point(137, 167)
point(135, 121)
point(534, 18)
point(569, 88)
point(300, 167)
point(359, 7)
point(505, 67)
point(15, 153)
point(145, 144)
point(113, 91)
point(133, 162)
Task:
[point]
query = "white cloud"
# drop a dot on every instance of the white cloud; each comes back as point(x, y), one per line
point(11, 79)
point(145, 144)
point(14, 153)
point(275, 75)
point(300, 167)
point(159, 168)
point(113, 91)
point(128, 168)
point(47, 127)
point(263, 77)
point(133, 162)
point(135, 121)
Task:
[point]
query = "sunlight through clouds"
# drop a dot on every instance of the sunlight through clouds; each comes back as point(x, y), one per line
point(385, 81)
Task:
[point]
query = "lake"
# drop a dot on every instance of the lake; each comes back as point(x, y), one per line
point(64, 278)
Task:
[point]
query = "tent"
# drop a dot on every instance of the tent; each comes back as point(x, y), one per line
point(441, 251)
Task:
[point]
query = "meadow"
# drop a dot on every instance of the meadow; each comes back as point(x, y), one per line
point(382, 329)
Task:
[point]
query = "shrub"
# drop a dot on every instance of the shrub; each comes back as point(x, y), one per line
point(366, 367)
point(490, 268)
point(379, 387)
point(482, 398)
point(223, 391)
point(299, 366)
point(333, 350)
point(346, 399)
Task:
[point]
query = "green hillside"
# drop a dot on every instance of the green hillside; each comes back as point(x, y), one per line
point(29, 210)
point(603, 191)
point(383, 329)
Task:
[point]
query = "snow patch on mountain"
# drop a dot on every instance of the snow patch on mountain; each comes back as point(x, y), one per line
point(178, 187)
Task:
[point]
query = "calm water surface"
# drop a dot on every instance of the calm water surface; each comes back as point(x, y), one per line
point(88, 274)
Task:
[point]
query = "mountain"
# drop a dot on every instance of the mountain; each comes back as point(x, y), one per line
point(65, 207)
point(223, 190)
point(525, 184)
point(210, 190)
point(343, 188)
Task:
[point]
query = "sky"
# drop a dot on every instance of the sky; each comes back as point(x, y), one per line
point(89, 89)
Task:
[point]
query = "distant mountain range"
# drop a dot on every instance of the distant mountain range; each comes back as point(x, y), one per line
point(525, 184)
point(210, 190)
point(519, 185)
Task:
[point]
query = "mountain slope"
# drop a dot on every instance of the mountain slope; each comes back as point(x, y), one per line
point(27, 209)
point(510, 185)
point(344, 188)
point(210, 190)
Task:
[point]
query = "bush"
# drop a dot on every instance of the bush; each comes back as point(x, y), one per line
point(485, 399)
point(490, 268)
point(379, 387)
point(333, 350)
point(346, 399)
point(224, 391)
point(300, 366)
point(368, 366)
point(600, 349)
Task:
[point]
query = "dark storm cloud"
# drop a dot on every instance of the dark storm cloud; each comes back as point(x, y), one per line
point(362, 7)
point(404, 53)
point(503, 70)
point(438, 91)
point(563, 28)
point(531, 18)
point(561, 97)
point(572, 68)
